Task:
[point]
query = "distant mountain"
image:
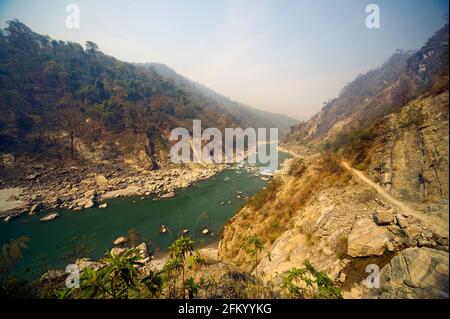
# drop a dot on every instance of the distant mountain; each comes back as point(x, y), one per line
point(60, 100)
point(200, 92)
point(379, 92)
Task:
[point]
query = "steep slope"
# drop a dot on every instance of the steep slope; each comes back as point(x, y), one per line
point(59, 100)
point(379, 92)
point(368, 187)
point(202, 93)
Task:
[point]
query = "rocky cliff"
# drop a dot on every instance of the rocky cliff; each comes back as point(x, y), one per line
point(367, 190)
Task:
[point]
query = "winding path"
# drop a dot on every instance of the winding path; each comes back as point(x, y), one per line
point(436, 224)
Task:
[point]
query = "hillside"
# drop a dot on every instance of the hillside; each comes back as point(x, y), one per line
point(60, 100)
point(76, 124)
point(368, 186)
point(238, 110)
point(405, 76)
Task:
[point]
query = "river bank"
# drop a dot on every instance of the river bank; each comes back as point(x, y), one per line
point(88, 189)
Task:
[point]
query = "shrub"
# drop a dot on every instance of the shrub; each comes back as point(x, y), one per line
point(308, 283)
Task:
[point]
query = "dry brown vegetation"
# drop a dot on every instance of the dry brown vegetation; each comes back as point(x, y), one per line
point(270, 212)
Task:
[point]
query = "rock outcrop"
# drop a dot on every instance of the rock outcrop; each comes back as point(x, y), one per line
point(416, 273)
point(367, 239)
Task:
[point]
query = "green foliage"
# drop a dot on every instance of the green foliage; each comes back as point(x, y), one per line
point(309, 283)
point(154, 283)
point(118, 279)
point(55, 82)
point(46, 83)
point(192, 287)
point(254, 246)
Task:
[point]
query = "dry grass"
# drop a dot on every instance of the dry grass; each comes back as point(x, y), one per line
point(271, 212)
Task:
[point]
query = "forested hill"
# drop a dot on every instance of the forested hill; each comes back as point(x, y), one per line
point(200, 92)
point(54, 91)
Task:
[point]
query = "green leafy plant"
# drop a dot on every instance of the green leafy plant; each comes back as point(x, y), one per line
point(307, 283)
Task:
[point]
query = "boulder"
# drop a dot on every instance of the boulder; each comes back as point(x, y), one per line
point(101, 180)
point(88, 263)
point(417, 273)
point(143, 251)
point(49, 217)
point(120, 240)
point(367, 239)
point(89, 204)
point(168, 195)
point(104, 205)
point(384, 217)
point(116, 251)
point(402, 220)
point(90, 194)
point(53, 275)
point(34, 209)
point(413, 231)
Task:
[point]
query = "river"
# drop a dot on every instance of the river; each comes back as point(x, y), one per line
point(206, 204)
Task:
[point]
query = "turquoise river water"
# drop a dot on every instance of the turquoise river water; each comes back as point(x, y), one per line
point(90, 232)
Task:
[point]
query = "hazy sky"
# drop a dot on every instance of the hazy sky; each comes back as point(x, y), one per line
point(287, 56)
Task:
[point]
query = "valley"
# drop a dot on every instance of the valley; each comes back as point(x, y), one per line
point(86, 178)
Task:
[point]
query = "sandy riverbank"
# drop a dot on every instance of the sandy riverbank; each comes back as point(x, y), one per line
point(8, 199)
point(209, 251)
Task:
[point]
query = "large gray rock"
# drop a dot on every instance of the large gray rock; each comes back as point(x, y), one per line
point(416, 273)
point(367, 239)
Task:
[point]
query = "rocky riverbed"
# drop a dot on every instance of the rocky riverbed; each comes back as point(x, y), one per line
point(52, 186)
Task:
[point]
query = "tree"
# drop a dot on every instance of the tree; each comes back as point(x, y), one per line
point(180, 250)
point(70, 119)
point(92, 48)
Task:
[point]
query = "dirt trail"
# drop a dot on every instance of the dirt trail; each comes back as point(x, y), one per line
point(435, 223)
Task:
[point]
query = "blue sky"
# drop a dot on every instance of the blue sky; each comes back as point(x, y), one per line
point(287, 56)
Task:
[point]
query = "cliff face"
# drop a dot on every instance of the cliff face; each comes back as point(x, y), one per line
point(369, 186)
point(409, 157)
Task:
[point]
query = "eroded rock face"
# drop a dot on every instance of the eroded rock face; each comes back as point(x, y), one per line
point(416, 273)
point(367, 239)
